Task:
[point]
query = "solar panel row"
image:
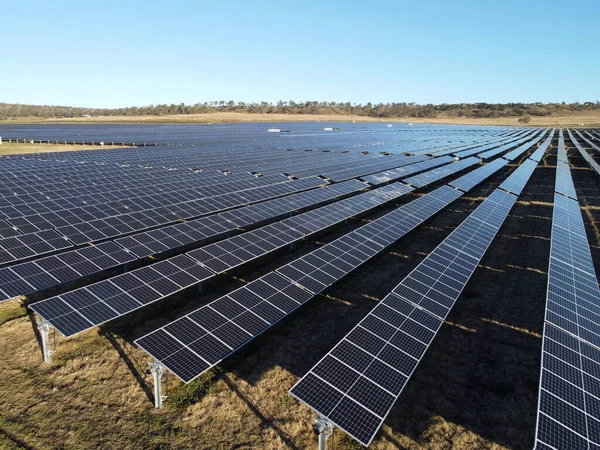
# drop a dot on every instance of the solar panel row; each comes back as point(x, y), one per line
point(538, 154)
point(323, 267)
point(592, 143)
point(431, 176)
point(473, 178)
point(564, 182)
point(516, 182)
point(83, 230)
point(453, 146)
point(180, 235)
point(194, 343)
point(312, 273)
point(76, 311)
point(355, 385)
point(493, 149)
point(592, 163)
point(24, 279)
point(569, 392)
point(230, 253)
point(514, 154)
point(510, 141)
point(489, 151)
point(395, 174)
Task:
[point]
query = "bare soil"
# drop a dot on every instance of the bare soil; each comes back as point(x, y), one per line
point(575, 119)
point(8, 148)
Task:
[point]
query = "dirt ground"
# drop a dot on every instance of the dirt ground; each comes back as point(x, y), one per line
point(588, 119)
point(8, 148)
point(475, 389)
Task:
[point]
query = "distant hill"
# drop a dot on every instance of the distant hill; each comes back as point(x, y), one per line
point(373, 111)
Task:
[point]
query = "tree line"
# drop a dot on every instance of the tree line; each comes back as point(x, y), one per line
point(383, 110)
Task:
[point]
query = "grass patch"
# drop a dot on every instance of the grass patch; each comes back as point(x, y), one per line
point(188, 394)
point(7, 444)
point(10, 311)
point(345, 442)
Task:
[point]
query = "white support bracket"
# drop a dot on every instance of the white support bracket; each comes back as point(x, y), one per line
point(44, 329)
point(156, 369)
point(323, 428)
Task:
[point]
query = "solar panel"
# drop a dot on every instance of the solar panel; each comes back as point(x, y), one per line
point(193, 342)
point(573, 296)
point(568, 414)
point(30, 245)
point(76, 264)
point(502, 149)
point(199, 340)
point(564, 182)
point(514, 154)
point(592, 163)
point(146, 286)
point(517, 180)
point(434, 175)
point(473, 178)
point(323, 267)
point(225, 255)
point(538, 154)
point(54, 270)
point(395, 174)
point(101, 302)
point(356, 384)
point(7, 230)
point(561, 150)
point(476, 148)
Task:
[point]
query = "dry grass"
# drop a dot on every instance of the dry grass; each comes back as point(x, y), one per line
point(589, 119)
point(11, 310)
point(574, 120)
point(13, 149)
point(223, 117)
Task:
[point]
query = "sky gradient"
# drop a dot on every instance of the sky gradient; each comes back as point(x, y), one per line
point(123, 53)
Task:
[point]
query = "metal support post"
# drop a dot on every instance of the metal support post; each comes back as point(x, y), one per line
point(44, 329)
point(323, 428)
point(200, 288)
point(157, 370)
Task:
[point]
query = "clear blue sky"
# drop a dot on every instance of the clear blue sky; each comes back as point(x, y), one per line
point(124, 53)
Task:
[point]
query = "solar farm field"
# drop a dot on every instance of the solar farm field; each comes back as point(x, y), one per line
point(221, 286)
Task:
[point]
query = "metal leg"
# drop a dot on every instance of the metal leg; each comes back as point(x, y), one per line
point(44, 329)
point(157, 370)
point(323, 428)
